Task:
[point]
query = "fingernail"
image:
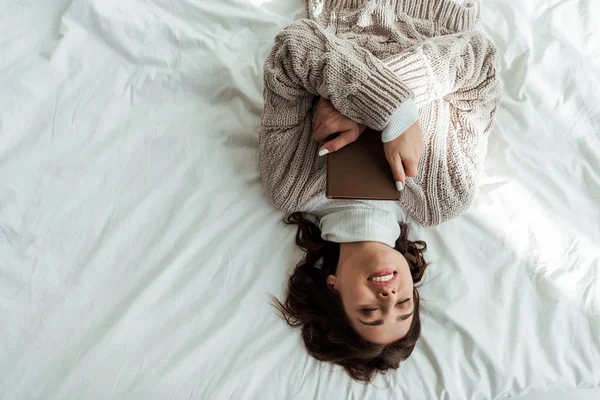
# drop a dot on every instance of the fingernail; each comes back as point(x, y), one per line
point(399, 186)
point(323, 152)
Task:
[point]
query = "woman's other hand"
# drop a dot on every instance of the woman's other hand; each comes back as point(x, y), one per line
point(403, 154)
point(328, 121)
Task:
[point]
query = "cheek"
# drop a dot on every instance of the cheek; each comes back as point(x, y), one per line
point(407, 282)
point(352, 291)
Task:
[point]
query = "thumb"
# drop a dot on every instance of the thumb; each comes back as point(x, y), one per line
point(345, 138)
point(398, 172)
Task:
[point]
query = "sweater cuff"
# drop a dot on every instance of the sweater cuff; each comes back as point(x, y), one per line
point(377, 98)
point(404, 116)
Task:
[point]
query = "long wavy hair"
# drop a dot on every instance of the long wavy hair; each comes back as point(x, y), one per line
point(318, 310)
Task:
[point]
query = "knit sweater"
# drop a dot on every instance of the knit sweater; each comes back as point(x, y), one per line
point(369, 58)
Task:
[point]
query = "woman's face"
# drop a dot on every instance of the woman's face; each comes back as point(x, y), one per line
point(376, 288)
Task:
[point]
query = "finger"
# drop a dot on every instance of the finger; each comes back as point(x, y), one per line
point(318, 114)
point(410, 167)
point(321, 110)
point(398, 172)
point(339, 142)
point(325, 124)
point(325, 129)
point(316, 119)
point(322, 123)
point(316, 129)
point(330, 126)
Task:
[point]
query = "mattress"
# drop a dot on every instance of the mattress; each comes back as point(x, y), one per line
point(139, 254)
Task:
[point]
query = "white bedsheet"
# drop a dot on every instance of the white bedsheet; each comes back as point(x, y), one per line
point(138, 251)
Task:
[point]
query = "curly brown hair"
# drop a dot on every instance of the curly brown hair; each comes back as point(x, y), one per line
point(326, 331)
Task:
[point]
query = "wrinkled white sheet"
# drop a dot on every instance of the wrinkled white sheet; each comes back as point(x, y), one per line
point(138, 252)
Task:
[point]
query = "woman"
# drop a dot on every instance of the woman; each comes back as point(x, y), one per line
point(419, 72)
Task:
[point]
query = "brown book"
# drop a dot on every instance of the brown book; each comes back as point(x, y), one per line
point(360, 171)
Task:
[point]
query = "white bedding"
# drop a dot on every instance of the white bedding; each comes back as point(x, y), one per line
point(138, 251)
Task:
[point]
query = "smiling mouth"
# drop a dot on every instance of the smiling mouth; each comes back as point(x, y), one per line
point(383, 278)
point(383, 273)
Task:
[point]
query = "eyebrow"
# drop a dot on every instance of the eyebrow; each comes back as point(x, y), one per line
point(374, 323)
point(405, 317)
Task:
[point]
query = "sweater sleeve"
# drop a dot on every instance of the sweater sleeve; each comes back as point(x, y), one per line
point(305, 62)
point(309, 59)
point(453, 78)
point(465, 74)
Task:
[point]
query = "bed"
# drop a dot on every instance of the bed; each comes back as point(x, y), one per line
point(138, 252)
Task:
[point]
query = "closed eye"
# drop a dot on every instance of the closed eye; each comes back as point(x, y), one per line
point(403, 302)
point(368, 311)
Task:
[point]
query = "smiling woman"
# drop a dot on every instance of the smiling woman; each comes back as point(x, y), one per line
point(365, 321)
point(420, 73)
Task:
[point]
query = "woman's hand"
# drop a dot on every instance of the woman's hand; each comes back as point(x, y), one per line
point(403, 154)
point(328, 121)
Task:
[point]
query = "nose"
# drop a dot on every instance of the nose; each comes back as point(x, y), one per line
point(386, 294)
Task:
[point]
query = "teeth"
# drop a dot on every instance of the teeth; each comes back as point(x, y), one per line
point(384, 278)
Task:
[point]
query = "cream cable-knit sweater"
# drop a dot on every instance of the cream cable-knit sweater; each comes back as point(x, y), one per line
point(368, 58)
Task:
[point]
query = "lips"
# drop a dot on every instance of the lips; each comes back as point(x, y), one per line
point(383, 278)
point(383, 272)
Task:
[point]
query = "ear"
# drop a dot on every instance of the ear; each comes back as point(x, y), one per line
point(332, 282)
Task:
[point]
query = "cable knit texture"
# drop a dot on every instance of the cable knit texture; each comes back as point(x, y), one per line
point(369, 58)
